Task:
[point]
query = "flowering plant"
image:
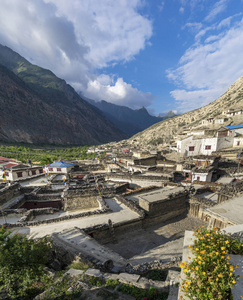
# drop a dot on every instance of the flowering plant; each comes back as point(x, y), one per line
point(210, 275)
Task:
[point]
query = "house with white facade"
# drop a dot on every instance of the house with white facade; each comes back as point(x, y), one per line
point(60, 167)
point(195, 145)
point(15, 172)
point(233, 112)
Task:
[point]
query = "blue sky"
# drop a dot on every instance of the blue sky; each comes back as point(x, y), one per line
point(164, 55)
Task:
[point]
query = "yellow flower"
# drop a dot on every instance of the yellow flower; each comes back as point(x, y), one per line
point(226, 242)
point(204, 273)
point(211, 255)
point(233, 281)
point(197, 268)
point(199, 262)
point(217, 279)
point(189, 257)
point(189, 246)
point(199, 257)
point(202, 252)
point(216, 253)
point(236, 266)
point(222, 248)
point(222, 256)
point(231, 268)
point(182, 265)
point(197, 249)
point(185, 270)
point(223, 252)
point(220, 275)
point(228, 257)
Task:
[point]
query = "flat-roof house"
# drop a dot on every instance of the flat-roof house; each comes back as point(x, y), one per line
point(60, 167)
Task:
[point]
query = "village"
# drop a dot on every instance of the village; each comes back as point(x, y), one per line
point(130, 209)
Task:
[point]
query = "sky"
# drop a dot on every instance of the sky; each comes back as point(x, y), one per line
point(161, 54)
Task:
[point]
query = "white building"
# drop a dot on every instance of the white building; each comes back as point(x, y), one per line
point(60, 167)
point(195, 145)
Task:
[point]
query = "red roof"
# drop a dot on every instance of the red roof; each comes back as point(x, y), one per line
point(10, 165)
point(3, 159)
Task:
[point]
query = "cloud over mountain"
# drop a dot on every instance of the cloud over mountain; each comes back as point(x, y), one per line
point(76, 40)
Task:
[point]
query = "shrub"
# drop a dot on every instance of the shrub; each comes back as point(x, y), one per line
point(21, 264)
point(210, 275)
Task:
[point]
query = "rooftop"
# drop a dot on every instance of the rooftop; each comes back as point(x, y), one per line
point(161, 194)
point(61, 164)
point(231, 210)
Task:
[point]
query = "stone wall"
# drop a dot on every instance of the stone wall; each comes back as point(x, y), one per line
point(132, 205)
point(80, 199)
point(164, 206)
point(143, 181)
point(102, 232)
point(9, 192)
point(197, 206)
point(29, 222)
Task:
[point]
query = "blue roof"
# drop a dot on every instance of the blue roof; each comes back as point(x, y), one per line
point(235, 126)
point(61, 164)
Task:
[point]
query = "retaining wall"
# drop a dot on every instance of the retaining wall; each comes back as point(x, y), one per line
point(9, 192)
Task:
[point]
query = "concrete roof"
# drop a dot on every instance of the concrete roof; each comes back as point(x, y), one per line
point(231, 210)
point(225, 180)
point(161, 194)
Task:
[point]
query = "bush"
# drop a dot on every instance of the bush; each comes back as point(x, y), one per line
point(210, 275)
point(21, 264)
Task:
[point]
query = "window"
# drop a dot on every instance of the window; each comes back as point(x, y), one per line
point(208, 147)
point(33, 172)
point(41, 171)
point(191, 148)
point(198, 178)
point(19, 174)
point(59, 169)
point(238, 143)
point(50, 169)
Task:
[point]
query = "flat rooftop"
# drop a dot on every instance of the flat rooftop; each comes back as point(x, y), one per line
point(231, 210)
point(161, 194)
point(209, 196)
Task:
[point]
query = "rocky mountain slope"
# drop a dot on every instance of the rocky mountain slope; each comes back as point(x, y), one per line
point(38, 107)
point(128, 120)
point(166, 130)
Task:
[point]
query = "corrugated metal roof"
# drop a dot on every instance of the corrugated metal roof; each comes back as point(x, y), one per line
point(235, 126)
point(61, 164)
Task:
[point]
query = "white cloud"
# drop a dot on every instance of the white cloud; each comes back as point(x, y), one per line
point(218, 7)
point(74, 38)
point(208, 68)
point(117, 91)
point(181, 10)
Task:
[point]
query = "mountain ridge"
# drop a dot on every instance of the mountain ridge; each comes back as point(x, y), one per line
point(167, 130)
point(126, 119)
point(71, 120)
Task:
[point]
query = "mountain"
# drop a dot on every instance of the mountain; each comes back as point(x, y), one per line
point(126, 119)
point(167, 130)
point(38, 107)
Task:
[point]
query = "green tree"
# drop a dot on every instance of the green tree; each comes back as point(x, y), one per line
point(22, 264)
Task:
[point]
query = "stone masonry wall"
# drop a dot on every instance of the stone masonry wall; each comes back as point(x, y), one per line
point(9, 192)
point(78, 200)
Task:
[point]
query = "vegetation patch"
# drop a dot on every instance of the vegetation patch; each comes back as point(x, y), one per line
point(158, 275)
point(210, 275)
